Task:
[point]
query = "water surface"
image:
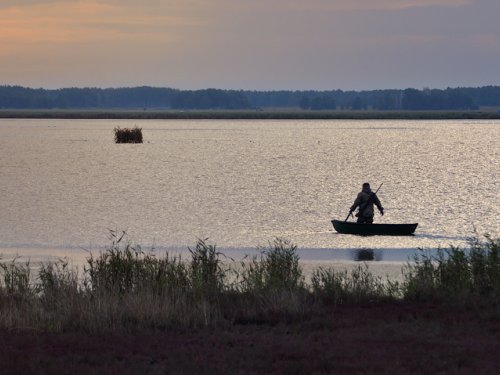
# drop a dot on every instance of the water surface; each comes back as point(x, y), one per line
point(64, 183)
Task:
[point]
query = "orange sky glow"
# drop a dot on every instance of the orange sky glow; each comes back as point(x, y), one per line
point(275, 44)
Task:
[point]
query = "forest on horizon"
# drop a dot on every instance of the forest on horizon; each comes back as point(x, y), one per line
point(145, 97)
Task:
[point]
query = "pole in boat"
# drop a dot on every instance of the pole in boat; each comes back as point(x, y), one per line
point(350, 212)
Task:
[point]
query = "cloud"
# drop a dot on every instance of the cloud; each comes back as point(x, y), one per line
point(244, 43)
point(23, 3)
point(402, 4)
point(96, 41)
point(335, 6)
point(87, 21)
point(64, 20)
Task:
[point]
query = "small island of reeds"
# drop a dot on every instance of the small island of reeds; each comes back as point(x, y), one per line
point(128, 135)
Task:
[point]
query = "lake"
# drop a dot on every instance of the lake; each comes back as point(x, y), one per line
point(241, 183)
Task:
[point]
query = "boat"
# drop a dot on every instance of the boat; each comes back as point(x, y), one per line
point(348, 227)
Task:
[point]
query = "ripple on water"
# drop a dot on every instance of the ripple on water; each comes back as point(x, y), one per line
point(242, 183)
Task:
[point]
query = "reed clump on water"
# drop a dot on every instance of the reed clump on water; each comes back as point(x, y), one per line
point(128, 135)
point(127, 288)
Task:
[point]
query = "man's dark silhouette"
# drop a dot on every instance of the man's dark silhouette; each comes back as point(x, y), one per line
point(365, 201)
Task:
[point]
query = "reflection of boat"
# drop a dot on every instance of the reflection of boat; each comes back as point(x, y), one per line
point(374, 229)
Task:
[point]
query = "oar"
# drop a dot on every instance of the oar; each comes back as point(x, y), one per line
point(350, 212)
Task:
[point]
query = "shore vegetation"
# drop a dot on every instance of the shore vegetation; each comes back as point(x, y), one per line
point(127, 288)
point(250, 114)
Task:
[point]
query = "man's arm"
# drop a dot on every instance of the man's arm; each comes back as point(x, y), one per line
point(356, 203)
point(378, 204)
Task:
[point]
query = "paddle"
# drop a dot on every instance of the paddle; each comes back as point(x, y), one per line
point(350, 212)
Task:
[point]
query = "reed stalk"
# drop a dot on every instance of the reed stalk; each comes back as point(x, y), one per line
point(126, 288)
point(128, 135)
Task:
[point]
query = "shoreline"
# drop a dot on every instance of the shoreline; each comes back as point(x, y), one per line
point(77, 259)
point(147, 114)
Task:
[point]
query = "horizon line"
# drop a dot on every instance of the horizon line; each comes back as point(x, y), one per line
point(243, 89)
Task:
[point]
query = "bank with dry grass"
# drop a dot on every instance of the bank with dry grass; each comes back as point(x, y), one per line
point(125, 288)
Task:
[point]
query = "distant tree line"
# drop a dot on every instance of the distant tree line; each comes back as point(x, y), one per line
point(16, 97)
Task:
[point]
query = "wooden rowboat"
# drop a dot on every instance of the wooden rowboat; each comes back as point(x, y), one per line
point(347, 227)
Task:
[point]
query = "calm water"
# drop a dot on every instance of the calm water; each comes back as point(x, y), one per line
point(242, 183)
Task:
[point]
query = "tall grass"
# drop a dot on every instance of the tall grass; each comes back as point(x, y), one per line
point(15, 280)
point(124, 268)
point(357, 285)
point(207, 273)
point(245, 114)
point(460, 276)
point(125, 287)
point(271, 287)
point(277, 269)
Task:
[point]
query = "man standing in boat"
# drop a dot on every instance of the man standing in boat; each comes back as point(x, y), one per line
point(365, 201)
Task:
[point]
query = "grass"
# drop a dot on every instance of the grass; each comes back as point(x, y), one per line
point(133, 311)
point(125, 288)
point(357, 286)
point(128, 135)
point(462, 277)
point(277, 269)
point(266, 114)
point(16, 279)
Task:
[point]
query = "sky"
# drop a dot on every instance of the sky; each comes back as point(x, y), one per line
point(250, 44)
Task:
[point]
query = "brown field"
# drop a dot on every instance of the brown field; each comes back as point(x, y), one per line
point(384, 338)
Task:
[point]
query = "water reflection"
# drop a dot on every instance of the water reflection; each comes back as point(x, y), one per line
point(318, 256)
point(441, 237)
point(398, 255)
point(364, 255)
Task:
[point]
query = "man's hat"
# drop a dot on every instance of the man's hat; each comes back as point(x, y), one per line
point(366, 185)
